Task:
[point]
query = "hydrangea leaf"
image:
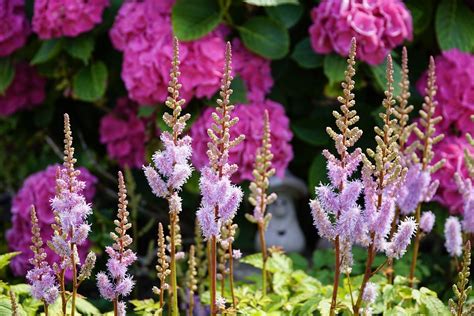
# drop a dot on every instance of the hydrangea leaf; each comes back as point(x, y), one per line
point(90, 82)
point(380, 76)
point(454, 25)
point(334, 67)
point(194, 19)
point(47, 51)
point(80, 47)
point(286, 14)
point(265, 37)
point(305, 57)
point(311, 131)
point(7, 73)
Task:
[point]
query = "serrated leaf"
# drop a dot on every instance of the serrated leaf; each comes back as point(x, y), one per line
point(379, 73)
point(305, 57)
point(90, 82)
point(194, 19)
point(6, 258)
point(7, 73)
point(254, 260)
point(80, 47)
point(86, 308)
point(47, 51)
point(454, 25)
point(266, 3)
point(334, 67)
point(279, 263)
point(265, 37)
point(286, 14)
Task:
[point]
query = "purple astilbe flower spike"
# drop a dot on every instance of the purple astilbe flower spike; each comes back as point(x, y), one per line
point(397, 247)
point(370, 293)
point(452, 233)
point(41, 276)
point(414, 190)
point(116, 283)
point(427, 221)
point(467, 191)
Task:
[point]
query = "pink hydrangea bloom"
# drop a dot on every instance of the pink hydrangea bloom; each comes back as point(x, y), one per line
point(57, 18)
point(452, 149)
point(14, 29)
point(251, 125)
point(124, 134)
point(25, 91)
point(38, 189)
point(455, 95)
point(143, 31)
point(378, 26)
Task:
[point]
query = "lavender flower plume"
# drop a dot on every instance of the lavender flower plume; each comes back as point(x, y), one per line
point(467, 191)
point(427, 221)
point(370, 293)
point(40, 276)
point(397, 247)
point(220, 198)
point(452, 233)
point(116, 282)
point(415, 189)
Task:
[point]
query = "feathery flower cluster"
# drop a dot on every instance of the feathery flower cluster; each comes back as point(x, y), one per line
point(26, 91)
point(124, 134)
point(467, 191)
point(15, 28)
point(454, 70)
point(370, 293)
point(250, 124)
point(397, 246)
point(116, 282)
point(38, 189)
point(57, 18)
point(453, 236)
point(41, 276)
point(379, 26)
point(427, 221)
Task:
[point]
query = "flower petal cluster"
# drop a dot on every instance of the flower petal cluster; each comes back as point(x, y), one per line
point(397, 246)
point(427, 221)
point(26, 91)
point(466, 189)
point(251, 125)
point(379, 26)
point(370, 293)
point(453, 236)
point(124, 134)
point(38, 189)
point(14, 29)
point(455, 96)
point(57, 18)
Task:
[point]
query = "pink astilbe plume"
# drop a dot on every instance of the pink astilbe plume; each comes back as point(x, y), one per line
point(14, 29)
point(466, 189)
point(397, 247)
point(453, 236)
point(427, 221)
point(41, 276)
point(116, 283)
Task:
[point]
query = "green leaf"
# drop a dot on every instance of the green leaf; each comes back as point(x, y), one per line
point(86, 308)
point(265, 37)
point(47, 51)
point(80, 47)
point(421, 12)
point(269, 3)
point(334, 67)
point(454, 25)
point(239, 94)
point(194, 19)
point(311, 131)
point(380, 75)
point(255, 260)
point(90, 82)
point(286, 14)
point(6, 258)
point(279, 263)
point(304, 55)
point(7, 73)
point(317, 173)
point(146, 111)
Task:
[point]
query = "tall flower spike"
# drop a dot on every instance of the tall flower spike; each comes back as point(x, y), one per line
point(191, 282)
point(453, 236)
point(41, 276)
point(466, 189)
point(462, 289)
point(14, 304)
point(116, 283)
point(162, 266)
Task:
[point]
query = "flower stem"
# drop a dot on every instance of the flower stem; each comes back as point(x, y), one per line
point(337, 273)
point(74, 280)
point(212, 273)
point(231, 275)
point(45, 309)
point(191, 304)
point(63, 292)
point(174, 287)
point(115, 307)
point(390, 271)
point(416, 247)
point(367, 274)
point(261, 233)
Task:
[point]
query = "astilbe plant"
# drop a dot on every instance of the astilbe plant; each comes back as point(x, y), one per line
point(172, 166)
point(259, 196)
point(462, 288)
point(220, 198)
point(335, 210)
point(116, 283)
point(191, 282)
point(162, 267)
point(71, 227)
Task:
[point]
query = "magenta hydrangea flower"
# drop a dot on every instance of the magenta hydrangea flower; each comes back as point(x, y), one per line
point(455, 95)
point(124, 134)
point(14, 29)
point(452, 150)
point(452, 233)
point(57, 18)
point(251, 125)
point(27, 90)
point(377, 25)
point(38, 189)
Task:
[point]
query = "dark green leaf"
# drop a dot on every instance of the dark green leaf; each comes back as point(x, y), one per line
point(7, 73)
point(194, 19)
point(334, 67)
point(80, 47)
point(421, 12)
point(380, 75)
point(317, 173)
point(305, 56)
point(309, 131)
point(286, 14)
point(454, 25)
point(267, 3)
point(239, 94)
point(265, 37)
point(90, 82)
point(47, 51)
point(146, 111)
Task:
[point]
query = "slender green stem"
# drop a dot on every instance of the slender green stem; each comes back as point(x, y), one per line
point(231, 276)
point(261, 233)
point(74, 280)
point(349, 282)
point(174, 285)
point(212, 273)
point(63, 292)
point(367, 273)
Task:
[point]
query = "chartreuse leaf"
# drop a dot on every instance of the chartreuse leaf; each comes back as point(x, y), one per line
point(86, 308)
point(266, 37)
point(304, 55)
point(6, 258)
point(254, 260)
point(80, 47)
point(454, 25)
point(286, 14)
point(90, 82)
point(266, 3)
point(379, 73)
point(194, 19)
point(7, 73)
point(47, 51)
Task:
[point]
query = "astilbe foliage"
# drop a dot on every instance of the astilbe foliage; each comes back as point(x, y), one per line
point(15, 28)
point(116, 283)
